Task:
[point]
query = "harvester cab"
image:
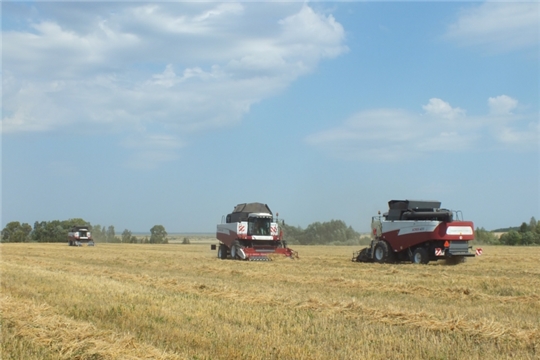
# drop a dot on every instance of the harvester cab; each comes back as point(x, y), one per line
point(251, 233)
point(418, 231)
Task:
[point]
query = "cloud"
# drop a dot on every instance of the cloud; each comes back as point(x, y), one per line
point(498, 26)
point(394, 134)
point(437, 107)
point(502, 105)
point(151, 69)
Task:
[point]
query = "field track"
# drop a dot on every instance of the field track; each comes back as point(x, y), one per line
point(133, 301)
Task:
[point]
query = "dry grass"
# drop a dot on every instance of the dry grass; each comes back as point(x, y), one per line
point(123, 301)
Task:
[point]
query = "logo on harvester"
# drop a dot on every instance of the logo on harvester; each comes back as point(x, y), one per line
point(241, 228)
point(438, 252)
point(478, 251)
point(273, 229)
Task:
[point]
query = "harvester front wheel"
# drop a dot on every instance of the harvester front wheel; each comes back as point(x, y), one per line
point(222, 252)
point(234, 249)
point(420, 256)
point(382, 252)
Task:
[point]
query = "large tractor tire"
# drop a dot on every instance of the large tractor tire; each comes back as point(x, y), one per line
point(222, 252)
point(382, 252)
point(420, 256)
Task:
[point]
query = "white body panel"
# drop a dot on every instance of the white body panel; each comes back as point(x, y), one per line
point(409, 227)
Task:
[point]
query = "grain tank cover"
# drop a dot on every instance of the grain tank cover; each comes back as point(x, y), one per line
point(241, 211)
point(417, 210)
point(413, 204)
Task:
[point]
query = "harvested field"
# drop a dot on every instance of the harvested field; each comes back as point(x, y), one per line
point(124, 301)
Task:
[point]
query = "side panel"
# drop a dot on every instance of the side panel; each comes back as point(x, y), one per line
point(404, 234)
point(227, 233)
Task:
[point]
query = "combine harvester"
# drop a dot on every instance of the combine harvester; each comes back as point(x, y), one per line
point(418, 231)
point(250, 233)
point(79, 234)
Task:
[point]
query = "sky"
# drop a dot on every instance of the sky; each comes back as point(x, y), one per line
point(134, 114)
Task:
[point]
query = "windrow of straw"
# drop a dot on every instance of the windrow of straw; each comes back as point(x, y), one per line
point(180, 301)
point(70, 339)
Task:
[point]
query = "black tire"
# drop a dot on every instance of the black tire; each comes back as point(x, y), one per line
point(420, 256)
point(234, 250)
point(382, 253)
point(222, 252)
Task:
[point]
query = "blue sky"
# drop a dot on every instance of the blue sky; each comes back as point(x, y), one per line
point(136, 114)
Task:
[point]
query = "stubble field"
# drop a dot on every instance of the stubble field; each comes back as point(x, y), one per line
point(123, 301)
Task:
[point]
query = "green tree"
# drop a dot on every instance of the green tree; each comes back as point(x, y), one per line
point(158, 235)
point(126, 236)
point(50, 231)
point(111, 235)
point(334, 231)
point(482, 236)
point(528, 238)
point(16, 232)
point(511, 238)
point(533, 224)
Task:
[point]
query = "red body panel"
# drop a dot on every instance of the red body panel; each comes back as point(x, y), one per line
point(400, 240)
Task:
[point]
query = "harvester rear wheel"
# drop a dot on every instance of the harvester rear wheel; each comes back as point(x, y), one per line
point(382, 253)
point(420, 256)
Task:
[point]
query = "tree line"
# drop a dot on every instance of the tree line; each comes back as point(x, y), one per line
point(526, 234)
point(334, 232)
point(57, 231)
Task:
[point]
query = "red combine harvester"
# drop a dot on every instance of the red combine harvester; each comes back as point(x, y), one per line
point(418, 231)
point(250, 233)
point(78, 235)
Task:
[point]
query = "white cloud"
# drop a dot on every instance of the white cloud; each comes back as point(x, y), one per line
point(502, 105)
point(498, 26)
point(393, 135)
point(437, 107)
point(166, 67)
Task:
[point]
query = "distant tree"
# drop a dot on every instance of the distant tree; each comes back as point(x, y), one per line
point(524, 228)
point(482, 236)
point(16, 232)
point(68, 224)
point(111, 235)
point(334, 231)
point(158, 235)
point(532, 224)
point(50, 231)
point(126, 236)
point(55, 230)
point(528, 238)
point(511, 238)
